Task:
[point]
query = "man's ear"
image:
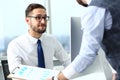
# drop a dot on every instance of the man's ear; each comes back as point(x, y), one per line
point(27, 20)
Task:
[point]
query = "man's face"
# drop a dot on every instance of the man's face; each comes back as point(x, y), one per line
point(82, 2)
point(37, 20)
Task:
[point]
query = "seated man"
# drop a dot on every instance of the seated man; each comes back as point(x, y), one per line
point(23, 49)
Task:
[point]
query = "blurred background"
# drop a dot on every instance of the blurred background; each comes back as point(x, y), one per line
point(12, 20)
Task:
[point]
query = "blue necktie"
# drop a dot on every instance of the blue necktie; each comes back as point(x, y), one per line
point(41, 62)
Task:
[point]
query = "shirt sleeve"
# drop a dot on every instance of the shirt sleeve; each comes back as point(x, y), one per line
point(13, 59)
point(61, 54)
point(93, 24)
point(69, 72)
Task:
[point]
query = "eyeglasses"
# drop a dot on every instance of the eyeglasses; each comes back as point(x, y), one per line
point(39, 18)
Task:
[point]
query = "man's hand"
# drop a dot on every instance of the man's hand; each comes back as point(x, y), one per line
point(60, 76)
point(114, 76)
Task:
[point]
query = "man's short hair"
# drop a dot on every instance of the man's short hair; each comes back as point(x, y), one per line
point(33, 6)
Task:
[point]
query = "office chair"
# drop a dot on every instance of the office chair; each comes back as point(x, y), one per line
point(5, 69)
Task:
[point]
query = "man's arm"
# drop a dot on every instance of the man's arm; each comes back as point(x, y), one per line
point(13, 59)
point(61, 54)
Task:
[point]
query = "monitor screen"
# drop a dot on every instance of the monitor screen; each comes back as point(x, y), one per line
point(76, 36)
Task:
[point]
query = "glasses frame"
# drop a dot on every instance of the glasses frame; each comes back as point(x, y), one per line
point(39, 18)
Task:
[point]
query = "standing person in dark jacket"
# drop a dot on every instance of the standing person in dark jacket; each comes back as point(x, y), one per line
point(101, 28)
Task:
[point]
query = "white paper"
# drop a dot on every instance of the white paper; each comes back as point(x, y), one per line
point(32, 73)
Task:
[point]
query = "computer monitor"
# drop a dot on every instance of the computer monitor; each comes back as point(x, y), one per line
point(76, 36)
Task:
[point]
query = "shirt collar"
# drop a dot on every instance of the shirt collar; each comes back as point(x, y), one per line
point(34, 40)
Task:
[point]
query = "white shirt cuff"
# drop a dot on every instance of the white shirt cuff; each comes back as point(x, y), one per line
point(69, 72)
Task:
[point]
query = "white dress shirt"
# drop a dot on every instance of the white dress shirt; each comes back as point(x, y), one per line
point(94, 20)
point(23, 50)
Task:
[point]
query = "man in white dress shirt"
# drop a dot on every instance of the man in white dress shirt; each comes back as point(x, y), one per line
point(101, 28)
point(23, 49)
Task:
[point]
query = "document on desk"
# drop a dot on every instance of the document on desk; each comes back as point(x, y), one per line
point(32, 73)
